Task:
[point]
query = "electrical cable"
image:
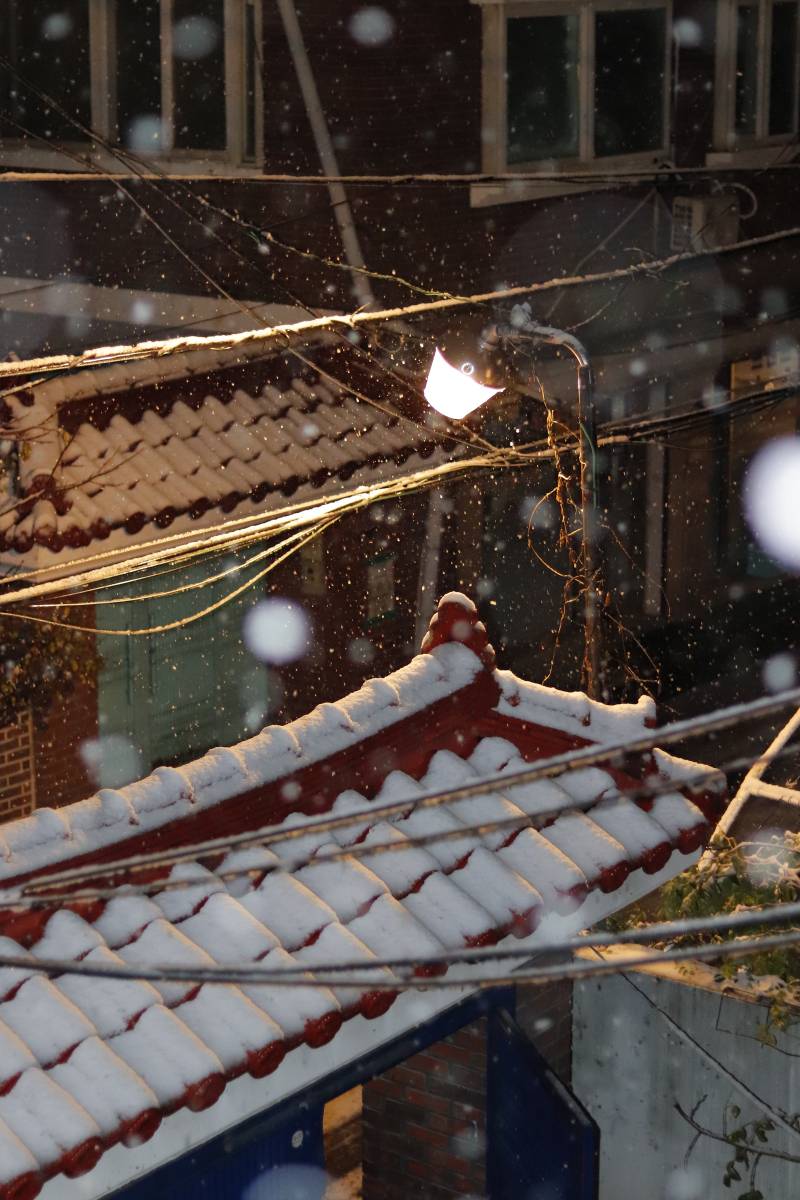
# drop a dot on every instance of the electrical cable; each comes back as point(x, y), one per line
point(610, 754)
point(645, 175)
point(38, 894)
point(213, 538)
point(295, 542)
point(627, 431)
point(330, 976)
point(353, 320)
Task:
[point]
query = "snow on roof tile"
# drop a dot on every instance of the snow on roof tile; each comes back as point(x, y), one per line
point(106, 1059)
point(303, 1013)
point(45, 1019)
point(390, 923)
point(236, 1029)
point(514, 903)
point(228, 931)
point(675, 814)
point(15, 1055)
point(626, 822)
point(451, 914)
point(12, 977)
point(170, 451)
point(401, 872)
point(556, 875)
point(112, 1005)
point(590, 848)
point(111, 1092)
point(339, 943)
point(346, 885)
point(170, 1059)
point(162, 942)
point(289, 910)
point(19, 1168)
point(51, 1123)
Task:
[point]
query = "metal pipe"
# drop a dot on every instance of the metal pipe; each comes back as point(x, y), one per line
point(586, 413)
point(343, 213)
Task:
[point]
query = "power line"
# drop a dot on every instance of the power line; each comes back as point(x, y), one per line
point(611, 754)
point(278, 553)
point(250, 974)
point(213, 538)
point(639, 430)
point(26, 900)
point(245, 530)
point(349, 321)
point(407, 178)
point(142, 175)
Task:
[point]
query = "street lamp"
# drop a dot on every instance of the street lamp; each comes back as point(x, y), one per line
point(455, 392)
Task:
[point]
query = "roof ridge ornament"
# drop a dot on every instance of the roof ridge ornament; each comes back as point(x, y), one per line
point(456, 620)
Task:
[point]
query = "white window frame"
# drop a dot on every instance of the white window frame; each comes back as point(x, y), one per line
point(230, 161)
point(496, 14)
point(726, 140)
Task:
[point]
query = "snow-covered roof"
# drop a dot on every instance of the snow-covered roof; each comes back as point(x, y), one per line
point(88, 1064)
point(136, 445)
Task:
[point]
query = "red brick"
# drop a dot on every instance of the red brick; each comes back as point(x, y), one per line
point(61, 775)
point(456, 1054)
point(411, 1078)
point(426, 1101)
point(426, 1121)
point(471, 1038)
point(430, 1137)
point(424, 1062)
point(446, 1158)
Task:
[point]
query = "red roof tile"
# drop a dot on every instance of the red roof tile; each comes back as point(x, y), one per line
point(126, 447)
point(88, 1063)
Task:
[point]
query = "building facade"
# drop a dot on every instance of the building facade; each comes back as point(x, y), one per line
point(216, 222)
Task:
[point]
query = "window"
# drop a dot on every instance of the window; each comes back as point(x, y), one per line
point(757, 73)
point(572, 84)
point(777, 367)
point(46, 42)
point(175, 78)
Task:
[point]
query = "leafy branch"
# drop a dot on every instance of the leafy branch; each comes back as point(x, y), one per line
point(748, 1141)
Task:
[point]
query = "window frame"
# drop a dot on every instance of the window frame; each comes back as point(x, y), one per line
point(496, 15)
point(103, 91)
point(726, 138)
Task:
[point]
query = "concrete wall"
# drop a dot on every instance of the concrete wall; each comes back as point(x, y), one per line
point(630, 1068)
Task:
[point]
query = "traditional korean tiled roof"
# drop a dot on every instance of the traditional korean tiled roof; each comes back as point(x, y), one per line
point(89, 1063)
point(135, 445)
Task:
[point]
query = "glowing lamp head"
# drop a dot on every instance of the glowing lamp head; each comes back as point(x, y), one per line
point(452, 391)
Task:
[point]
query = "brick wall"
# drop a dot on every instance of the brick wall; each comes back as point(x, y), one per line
point(424, 1123)
point(17, 784)
point(61, 775)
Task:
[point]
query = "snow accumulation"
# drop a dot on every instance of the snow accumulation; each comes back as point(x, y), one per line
point(573, 712)
point(50, 836)
point(106, 1059)
point(180, 461)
